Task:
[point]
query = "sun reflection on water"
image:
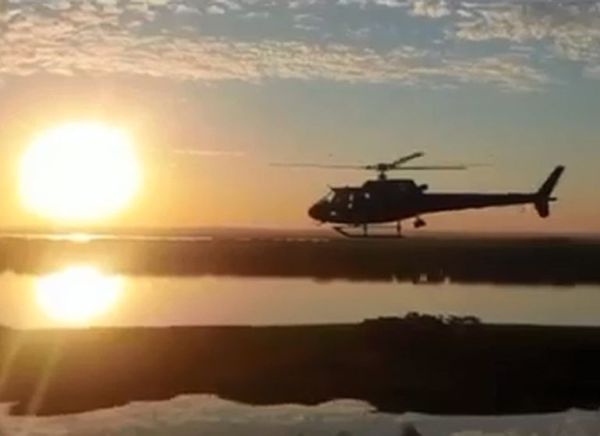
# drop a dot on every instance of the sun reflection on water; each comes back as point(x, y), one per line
point(77, 294)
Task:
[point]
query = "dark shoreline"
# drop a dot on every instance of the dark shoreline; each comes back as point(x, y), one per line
point(528, 261)
point(418, 364)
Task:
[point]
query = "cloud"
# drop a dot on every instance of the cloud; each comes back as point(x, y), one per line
point(565, 31)
point(430, 8)
point(208, 153)
point(391, 3)
point(216, 9)
point(570, 30)
point(230, 4)
point(183, 9)
point(101, 39)
point(256, 15)
point(366, 3)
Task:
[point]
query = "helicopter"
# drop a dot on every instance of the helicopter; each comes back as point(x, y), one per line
point(383, 200)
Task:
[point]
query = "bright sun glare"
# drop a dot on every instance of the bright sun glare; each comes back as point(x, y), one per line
point(77, 294)
point(79, 171)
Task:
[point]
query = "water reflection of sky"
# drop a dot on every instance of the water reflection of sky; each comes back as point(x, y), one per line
point(153, 301)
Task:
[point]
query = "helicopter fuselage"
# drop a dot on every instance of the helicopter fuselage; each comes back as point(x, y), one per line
point(382, 201)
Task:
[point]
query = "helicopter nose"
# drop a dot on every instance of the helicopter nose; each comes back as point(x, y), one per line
point(318, 211)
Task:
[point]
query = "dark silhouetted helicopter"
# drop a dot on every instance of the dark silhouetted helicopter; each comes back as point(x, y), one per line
point(386, 200)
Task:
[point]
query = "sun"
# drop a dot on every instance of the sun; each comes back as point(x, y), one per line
point(79, 171)
point(77, 294)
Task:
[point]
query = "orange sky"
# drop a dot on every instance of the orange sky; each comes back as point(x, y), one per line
point(212, 95)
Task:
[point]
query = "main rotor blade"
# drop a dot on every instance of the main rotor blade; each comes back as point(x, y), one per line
point(315, 165)
point(433, 167)
point(408, 158)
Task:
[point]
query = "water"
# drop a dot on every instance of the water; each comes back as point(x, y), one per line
point(162, 301)
point(237, 278)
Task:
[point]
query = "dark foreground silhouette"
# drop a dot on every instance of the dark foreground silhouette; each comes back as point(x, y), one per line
point(534, 261)
point(424, 364)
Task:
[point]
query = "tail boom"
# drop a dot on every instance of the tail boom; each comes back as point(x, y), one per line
point(431, 203)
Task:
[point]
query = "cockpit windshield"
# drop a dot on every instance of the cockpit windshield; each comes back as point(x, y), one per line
point(328, 198)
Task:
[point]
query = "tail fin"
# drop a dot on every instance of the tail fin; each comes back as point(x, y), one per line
point(543, 196)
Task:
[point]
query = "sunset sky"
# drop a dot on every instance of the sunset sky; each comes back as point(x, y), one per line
point(211, 92)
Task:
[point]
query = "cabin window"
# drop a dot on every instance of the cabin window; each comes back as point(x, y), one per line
point(337, 199)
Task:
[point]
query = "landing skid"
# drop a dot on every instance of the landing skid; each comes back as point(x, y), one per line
point(364, 234)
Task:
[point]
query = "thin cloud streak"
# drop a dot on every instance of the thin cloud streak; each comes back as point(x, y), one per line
point(209, 153)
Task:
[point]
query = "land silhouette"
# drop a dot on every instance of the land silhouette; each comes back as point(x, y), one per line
point(418, 363)
point(532, 261)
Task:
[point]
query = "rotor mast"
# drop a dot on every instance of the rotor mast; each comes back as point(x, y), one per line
point(382, 170)
point(383, 167)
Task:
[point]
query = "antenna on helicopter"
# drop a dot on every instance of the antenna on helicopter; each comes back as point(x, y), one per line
point(382, 167)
